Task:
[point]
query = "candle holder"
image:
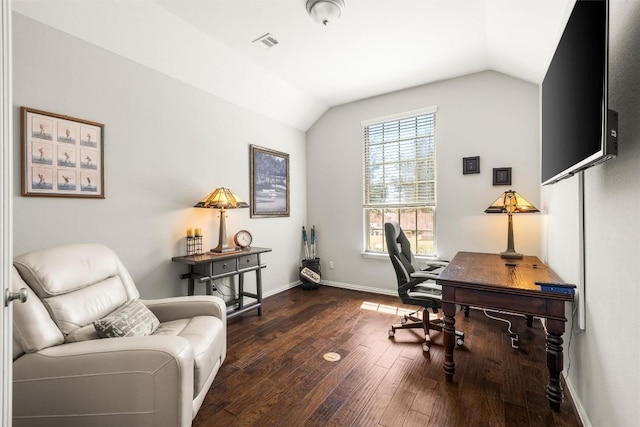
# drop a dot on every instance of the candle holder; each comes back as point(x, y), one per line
point(194, 245)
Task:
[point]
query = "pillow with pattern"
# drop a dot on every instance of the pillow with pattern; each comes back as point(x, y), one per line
point(132, 319)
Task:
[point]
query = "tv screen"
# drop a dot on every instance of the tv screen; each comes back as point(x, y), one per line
point(575, 122)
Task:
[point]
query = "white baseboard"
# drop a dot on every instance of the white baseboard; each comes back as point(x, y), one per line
point(281, 289)
point(390, 292)
point(582, 413)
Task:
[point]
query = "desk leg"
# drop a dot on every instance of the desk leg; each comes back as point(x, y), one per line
point(240, 290)
point(449, 329)
point(529, 321)
point(555, 329)
point(191, 289)
point(259, 288)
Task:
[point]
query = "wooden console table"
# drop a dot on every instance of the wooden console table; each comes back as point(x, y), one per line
point(489, 281)
point(209, 266)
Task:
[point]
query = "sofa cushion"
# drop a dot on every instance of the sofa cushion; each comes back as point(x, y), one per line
point(205, 334)
point(84, 306)
point(132, 319)
point(63, 269)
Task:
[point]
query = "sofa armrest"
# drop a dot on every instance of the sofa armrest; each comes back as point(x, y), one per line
point(167, 309)
point(117, 381)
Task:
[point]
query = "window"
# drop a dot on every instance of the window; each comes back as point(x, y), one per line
point(400, 179)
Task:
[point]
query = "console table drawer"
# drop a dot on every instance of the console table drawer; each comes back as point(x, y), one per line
point(223, 267)
point(247, 261)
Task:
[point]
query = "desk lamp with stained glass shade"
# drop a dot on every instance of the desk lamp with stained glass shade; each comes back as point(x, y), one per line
point(222, 198)
point(510, 202)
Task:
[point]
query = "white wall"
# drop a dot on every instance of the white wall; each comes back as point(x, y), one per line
point(487, 114)
point(604, 377)
point(167, 145)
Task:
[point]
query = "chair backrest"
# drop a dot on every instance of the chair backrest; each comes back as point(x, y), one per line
point(33, 327)
point(70, 287)
point(399, 250)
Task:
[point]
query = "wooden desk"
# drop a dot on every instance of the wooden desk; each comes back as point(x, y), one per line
point(209, 266)
point(486, 280)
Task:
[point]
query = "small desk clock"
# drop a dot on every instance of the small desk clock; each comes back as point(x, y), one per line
point(243, 239)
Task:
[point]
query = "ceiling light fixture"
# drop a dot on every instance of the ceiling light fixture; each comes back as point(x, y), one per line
point(325, 11)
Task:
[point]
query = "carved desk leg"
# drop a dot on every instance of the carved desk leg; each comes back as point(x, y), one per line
point(449, 329)
point(555, 329)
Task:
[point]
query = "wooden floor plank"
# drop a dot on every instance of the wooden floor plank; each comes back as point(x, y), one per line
point(275, 374)
point(380, 399)
point(416, 419)
point(359, 389)
point(398, 408)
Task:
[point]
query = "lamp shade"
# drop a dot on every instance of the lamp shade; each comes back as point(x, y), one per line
point(325, 11)
point(511, 202)
point(222, 198)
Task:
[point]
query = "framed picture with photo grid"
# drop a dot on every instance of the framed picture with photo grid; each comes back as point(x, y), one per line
point(61, 156)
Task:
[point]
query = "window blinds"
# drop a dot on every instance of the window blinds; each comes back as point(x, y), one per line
point(399, 162)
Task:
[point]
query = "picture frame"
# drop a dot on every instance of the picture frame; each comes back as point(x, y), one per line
point(269, 180)
point(501, 176)
point(470, 165)
point(61, 156)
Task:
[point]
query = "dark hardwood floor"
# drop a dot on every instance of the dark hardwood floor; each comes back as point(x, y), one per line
point(275, 373)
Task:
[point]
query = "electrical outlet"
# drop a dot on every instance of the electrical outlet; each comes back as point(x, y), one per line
point(330, 265)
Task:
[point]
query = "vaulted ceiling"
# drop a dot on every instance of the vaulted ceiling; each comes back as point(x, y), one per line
point(376, 47)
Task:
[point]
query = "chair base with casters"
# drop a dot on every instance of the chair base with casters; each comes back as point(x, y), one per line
point(411, 321)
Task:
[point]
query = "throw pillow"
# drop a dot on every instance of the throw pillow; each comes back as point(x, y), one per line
point(132, 319)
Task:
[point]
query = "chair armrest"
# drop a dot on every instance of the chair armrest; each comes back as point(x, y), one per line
point(412, 284)
point(167, 309)
point(428, 286)
point(128, 381)
point(438, 263)
point(425, 275)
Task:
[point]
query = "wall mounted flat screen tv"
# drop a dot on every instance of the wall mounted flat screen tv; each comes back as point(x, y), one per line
point(578, 129)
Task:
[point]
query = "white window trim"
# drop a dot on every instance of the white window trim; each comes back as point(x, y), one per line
point(400, 116)
point(385, 257)
point(391, 117)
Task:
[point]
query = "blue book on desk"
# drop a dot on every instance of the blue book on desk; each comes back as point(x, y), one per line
point(560, 288)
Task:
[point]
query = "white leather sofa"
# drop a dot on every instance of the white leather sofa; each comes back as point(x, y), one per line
point(65, 375)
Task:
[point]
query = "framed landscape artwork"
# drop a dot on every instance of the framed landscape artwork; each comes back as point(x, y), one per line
point(269, 183)
point(61, 156)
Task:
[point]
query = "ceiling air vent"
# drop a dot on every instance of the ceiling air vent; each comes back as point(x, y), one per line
point(267, 41)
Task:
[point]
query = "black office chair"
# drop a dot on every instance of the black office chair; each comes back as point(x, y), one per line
point(416, 286)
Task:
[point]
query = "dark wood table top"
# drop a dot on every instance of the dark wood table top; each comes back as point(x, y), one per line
point(482, 271)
